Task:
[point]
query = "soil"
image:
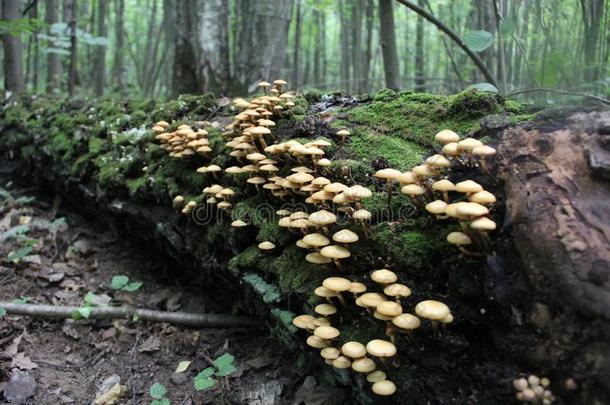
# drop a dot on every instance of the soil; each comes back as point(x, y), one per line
point(69, 361)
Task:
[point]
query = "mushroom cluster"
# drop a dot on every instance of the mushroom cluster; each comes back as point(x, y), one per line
point(429, 187)
point(385, 304)
point(534, 390)
point(184, 141)
point(328, 229)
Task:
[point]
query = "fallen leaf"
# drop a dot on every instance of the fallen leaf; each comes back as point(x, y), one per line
point(109, 333)
point(20, 387)
point(152, 344)
point(13, 348)
point(25, 219)
point(111, 396)
point(69, 330)
point(183, 366)
point(21, 361)
point(101, 300)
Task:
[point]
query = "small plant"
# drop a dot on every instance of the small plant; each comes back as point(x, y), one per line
point(27, 244)
point(158, 392)
point(84, 312)
point(121, 283)
point(223, 367)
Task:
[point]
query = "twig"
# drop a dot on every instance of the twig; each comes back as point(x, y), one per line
point(178, 318)
point(566, 92)
point(441, 26)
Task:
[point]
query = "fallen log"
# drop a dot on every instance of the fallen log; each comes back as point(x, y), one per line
point(194, 320)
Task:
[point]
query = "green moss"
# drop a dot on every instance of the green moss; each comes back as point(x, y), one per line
point(97, 145)
point(269, 293)
point(246, 259)
point(272, 232)
point(413, 249)
point(295, 275)
point(399, 153)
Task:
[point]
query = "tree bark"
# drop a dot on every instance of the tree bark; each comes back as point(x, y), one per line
point(100, 69)
point(420, 63)
point(592, 13)
point(368, 53)
point(186, 76)
point(70, 11)
point(296, 60)
point(119, 54)
point(387, 36)
point(214, 43)
point(14, 80)
point(53, 61)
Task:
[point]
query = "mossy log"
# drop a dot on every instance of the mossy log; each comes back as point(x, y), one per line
point(509, 320)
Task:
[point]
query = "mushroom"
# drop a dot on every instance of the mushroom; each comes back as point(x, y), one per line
point(375, 376)
point(238, 223)
point(322, 219)
point(384, 276)
point(178, 201)
point(337, 285)
point(437, 208)
point(265, 245)
point(330, 353)
point(317, 258)
point(484, 152)
point(397, 291)
point(354, 350)
point(363, 365)
point(389, 175)
point(363, 216)
point(316, 240)
point(406, 322)
point(389, 310)
point(460, 239)
point(433, 310)
point(326, 332)
point(343, 134)
point(381, 349)
point(482, 197)
point(342, 362)
point(325, 293)
point(446, 136)
point(316, 342)
point(264, 85)
point(444, 186)
point(345, 236)
point(357, 288)
point(335, 252)
point(303, 322)
point(384, 388)
point(414, 191)
point(325, 309)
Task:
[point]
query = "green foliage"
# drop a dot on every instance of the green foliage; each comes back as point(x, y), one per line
point(84, 311)
point(20, 26)
point(122, 283)
point(2, 312)
point(24, 299)
point(478, 40)
point(222, 367)
point(158, 392)
point(268, 292)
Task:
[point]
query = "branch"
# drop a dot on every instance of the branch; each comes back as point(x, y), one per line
point(439, 24)
point(569, 93)
point(178, 318)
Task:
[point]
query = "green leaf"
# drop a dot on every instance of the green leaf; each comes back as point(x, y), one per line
point(119, 282)
point(224, 365)
point(15, 257)
point(478, 40)
point(89, 298)
point(131, 287)
point(204, 384)
point(76, 315)
point(3, 313)
point(24, 299)
point(15, 232)
point(507, 27)
point(483, 87)
point(157, 391)
point(85, 312)
point(206, 373)
point(162, 401)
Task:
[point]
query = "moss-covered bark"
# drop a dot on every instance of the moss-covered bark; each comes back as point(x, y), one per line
point(103, 154)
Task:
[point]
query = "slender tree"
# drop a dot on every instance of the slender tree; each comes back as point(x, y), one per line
point(296, 61)
point(119, 55)
point(387, 34)
point(592, 13)
point(100, 77)
point(185, 78)
point(13, 68)
point(70, 15)
point(420, 81)
point(53, 61)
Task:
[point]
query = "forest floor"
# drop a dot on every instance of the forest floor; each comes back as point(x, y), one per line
point(74, 362)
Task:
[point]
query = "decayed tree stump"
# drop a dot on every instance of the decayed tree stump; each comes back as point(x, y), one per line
point(557, 186)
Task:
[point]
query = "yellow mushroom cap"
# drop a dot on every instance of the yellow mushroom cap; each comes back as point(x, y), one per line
point(354, 350)
point(317, 258)
point(389, 308)
point(323, 162)
point(335, 188)
point(397, 290)
point(362, 215)
point(381, 317)
point(384, 387)
point(447, 319)
point(451, 149)
point(388, 174)
point(472, 209)
point(323, 217)
point(266, 245)
point(302, 321)
point(357, 288)
point(380, 348)
point(446, 136)
point(436, 207)
point(451, 209)
point(326, 332)
point(413, 189)
point(316, 342)
point(357, 192)
point(321, 322)
point(320, 181)
point(484, 151)
point(343, 132)
point(468, 144)
point(325, 309)
point(468, 186)
point(407, 178)
point(342, 362)
point(324, 292)
point(384, 276)
point(406, 321)
point(363, 365)
point(433, 310)
point(438, 161)
point(256, 180)
point(424, 171)
point(238, 223)
point(316, 240)
point(483, 224)
point(375, 376)
point(345, 236)
point(330, 353)
point(337, 284)
point(482, 197)
point(335, 252)
point(443, 185)
point(369, 300)
point(458, 238)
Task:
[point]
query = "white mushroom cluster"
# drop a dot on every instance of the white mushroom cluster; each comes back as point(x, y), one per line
point(184, 141)
point(534, 390)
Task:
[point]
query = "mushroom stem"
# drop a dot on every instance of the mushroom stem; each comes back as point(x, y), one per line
point(485, 167)
point(446, 196)
point(390, 332)
point(365, 228)
point(338, 264)
point(341, 299)
point(390, 181)
point(470, 253)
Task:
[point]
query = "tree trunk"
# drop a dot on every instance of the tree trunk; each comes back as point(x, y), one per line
point(357, 13)
point(185, 77)
point(368, 53)
point(592, 13)
point(297, 46)
point(70, 13)
point(317, 70)
point(344, 67)
point(53, 61)
point(169, 35)
point(420, 63)
point(14, 80)
point(119, 55)
point(214, 43)
point(387, 35)
point(100, 76)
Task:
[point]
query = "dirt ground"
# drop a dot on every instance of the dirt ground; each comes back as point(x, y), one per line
point(74, 362)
